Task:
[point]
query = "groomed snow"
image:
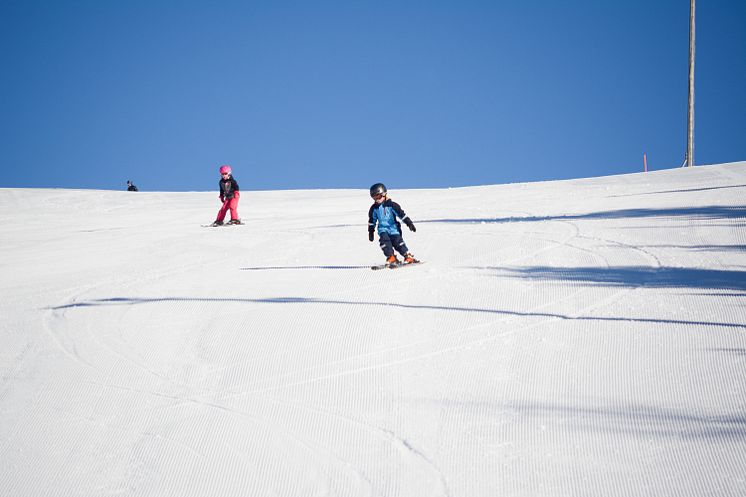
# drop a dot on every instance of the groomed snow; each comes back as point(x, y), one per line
point(573, 338)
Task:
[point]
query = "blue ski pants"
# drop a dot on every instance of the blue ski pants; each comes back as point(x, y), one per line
point(390, 242)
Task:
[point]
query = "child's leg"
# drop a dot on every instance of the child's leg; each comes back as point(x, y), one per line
point(385, 243)
point(398, 242)
point(223, 210)
point(234, 207)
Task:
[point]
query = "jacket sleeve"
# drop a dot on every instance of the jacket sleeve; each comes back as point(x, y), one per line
point(400, 212)
point(371, 221)
point(403, 216)
point(235, 185)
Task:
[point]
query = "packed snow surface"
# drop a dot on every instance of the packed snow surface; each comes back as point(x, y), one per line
point(571, 338)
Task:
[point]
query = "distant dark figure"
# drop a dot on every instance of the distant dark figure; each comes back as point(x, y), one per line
point(131, 187)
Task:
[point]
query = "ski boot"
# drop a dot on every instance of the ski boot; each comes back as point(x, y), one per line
point(409, 259)
point(217, 223)
point(235, 221)
point(392, 261)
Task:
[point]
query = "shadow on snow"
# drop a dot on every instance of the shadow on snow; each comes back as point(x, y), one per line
point(634, 276)
point(735, 352)
point(711, 212)
point(686, 190)
point(635, 420)
point(309, 300)
point(702, 248)
point(276, 268)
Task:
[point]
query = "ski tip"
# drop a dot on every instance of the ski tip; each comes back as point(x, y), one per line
point(222, 225)
point(395, 266)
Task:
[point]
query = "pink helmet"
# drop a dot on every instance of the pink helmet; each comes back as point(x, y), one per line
point(225, 170)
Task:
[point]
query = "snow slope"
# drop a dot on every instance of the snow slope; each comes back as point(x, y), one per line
point(577, 338)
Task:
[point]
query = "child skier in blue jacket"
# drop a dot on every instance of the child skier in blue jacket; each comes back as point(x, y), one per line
point(384, 213)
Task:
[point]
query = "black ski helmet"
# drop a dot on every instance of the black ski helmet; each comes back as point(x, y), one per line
point(378, 189)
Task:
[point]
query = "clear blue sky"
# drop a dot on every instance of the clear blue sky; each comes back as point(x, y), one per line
point(337, 94)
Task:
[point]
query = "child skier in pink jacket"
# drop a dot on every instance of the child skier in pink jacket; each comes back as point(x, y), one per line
point(229, 195)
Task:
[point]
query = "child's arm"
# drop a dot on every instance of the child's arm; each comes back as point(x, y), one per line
point(403, 216)
point(371, 222)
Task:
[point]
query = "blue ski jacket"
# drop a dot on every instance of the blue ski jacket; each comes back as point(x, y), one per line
point(385, 215)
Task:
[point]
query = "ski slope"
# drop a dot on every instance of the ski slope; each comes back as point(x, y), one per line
point(571, 338)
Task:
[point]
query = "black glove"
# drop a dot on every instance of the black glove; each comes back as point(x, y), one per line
point(410, 225)
point(370, 236)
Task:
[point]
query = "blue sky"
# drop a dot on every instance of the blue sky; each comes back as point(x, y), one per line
point(342, 94)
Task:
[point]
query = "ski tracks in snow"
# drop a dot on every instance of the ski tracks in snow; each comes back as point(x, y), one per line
point(383, 359)
point(319, 376)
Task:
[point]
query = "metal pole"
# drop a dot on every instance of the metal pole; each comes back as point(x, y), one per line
point(690, 120)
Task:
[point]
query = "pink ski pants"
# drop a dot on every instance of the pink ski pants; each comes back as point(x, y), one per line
point(229, 203)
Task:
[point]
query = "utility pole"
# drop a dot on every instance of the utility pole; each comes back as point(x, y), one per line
point(690, 121)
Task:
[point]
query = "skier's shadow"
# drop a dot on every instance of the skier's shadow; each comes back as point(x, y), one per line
point(280, 268)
